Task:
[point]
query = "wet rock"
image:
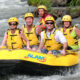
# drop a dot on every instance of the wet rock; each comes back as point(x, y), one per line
point(23, 0)
point(61, 2)
point(75, 12)
point(54, 3)
point(76, 20)
point(57, 3)
point(60, 11)
point(59, 22)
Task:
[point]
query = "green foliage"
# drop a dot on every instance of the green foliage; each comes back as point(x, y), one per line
point(74, 3)
point(33, 2)
point(40, 2)
point(74, 10)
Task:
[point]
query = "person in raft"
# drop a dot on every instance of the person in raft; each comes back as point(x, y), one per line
point(52, 39)
point(70, 32)
point(13, 37)
point(31, 31)
point(42, 10)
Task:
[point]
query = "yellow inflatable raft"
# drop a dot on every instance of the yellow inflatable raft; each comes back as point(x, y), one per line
point(24, 61)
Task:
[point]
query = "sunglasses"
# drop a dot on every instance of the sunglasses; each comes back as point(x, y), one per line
point(49, 22)
point(14, 24)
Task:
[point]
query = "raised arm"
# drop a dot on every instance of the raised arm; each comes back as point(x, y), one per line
point(77, 31)
point(38, 30)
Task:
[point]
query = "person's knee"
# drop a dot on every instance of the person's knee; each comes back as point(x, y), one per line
point(55, 52)
point(50, 52)
point(34, 49)
point(44, 51)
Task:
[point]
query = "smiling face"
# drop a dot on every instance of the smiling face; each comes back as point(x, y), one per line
point(49, 25)
point(29, 21)
point(41, 12)
point(66, 24)
point(13, 25)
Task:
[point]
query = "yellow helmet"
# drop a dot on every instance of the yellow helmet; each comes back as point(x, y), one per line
point(13, 19)
point(42, 7)
point(49, 18)
point(67, 18)
point(28, 15)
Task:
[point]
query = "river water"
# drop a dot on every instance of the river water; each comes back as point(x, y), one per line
point(17, 8)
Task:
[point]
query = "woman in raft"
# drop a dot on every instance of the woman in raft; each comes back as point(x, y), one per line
point(70, 32)
point(13, 37)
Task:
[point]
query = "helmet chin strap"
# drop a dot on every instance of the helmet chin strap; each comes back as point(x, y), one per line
point(53, 26)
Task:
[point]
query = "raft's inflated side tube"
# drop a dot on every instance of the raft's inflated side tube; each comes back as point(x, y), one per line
point(45, 59)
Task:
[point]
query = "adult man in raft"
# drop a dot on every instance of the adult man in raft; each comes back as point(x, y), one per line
point(42, 10)
point(31, 32)
point(13, 37)
point(70, 32)
point(52, 39)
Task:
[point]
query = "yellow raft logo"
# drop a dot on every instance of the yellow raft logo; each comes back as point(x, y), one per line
point(39, 58)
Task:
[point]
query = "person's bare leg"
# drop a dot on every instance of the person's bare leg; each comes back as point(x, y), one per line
point(49, 52)
point(34, 49)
